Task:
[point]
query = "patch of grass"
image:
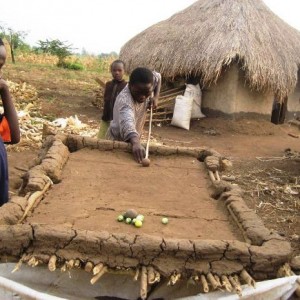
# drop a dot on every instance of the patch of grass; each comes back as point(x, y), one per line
point(50, 99)
point(72, 65)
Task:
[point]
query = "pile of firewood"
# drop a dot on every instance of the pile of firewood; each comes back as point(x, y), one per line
point(166, 104)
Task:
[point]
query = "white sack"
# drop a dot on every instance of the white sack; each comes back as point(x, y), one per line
point(194, 92)
point(182, 112)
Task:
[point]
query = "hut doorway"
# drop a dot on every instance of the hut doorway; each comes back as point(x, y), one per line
point(279, 110)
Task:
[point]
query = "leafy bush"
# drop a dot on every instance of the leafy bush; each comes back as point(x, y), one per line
point(76, 65)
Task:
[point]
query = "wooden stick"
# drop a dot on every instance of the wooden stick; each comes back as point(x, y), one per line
point(169, 100)
point(217, 278)
point(160, 120)
point(171, 91)
point(169, 97)
point(137, 273)
point(285, 271)
point(33, 199)
point(204, 284)
point(52, 263)
point(19, 264)
point(236, 286)
point(237, 280)
point(247, 240)
point(33, 262)
point(149, 133)
point(101, 82)
point(70, 264)
point(64, 267)
point(168, 106)
point(173, 279)
point(77, 263)
point(144, 284)
point(161, 113)
point(99, 275)
point(212, 281)
point(157, 277)
point(247, 278)
point(226, 283)
point(89, 267)
point(97, 269)
point(151, 275)
point(293, 135)
point(211, 176)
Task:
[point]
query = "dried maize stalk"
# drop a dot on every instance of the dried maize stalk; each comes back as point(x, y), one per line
point(99, 275)
point(137, 273)
point(247, 278)
point(89, 267)
point(226, 283)
point(97, 269)
point(211, 279)
point(204, 284)
point(151, 275)
point(236, 286)
point(52, 263)
point(144, 284)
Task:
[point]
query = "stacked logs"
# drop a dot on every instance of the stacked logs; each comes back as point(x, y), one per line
point(166, 104)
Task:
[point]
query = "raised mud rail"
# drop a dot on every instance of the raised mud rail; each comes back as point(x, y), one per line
point(214, 263)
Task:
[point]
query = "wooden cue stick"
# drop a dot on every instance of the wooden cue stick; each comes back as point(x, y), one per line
point(149, 133)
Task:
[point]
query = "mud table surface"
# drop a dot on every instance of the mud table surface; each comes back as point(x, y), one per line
point(98, 186)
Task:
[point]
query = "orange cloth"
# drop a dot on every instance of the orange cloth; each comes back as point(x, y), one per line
point(5, 131)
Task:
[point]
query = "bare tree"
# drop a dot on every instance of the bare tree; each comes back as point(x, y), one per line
point(14, 38)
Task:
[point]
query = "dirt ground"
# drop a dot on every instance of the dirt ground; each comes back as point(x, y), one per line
point(98, 186)
point(256, 147)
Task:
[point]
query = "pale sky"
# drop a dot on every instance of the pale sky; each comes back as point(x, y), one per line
point(102, 26)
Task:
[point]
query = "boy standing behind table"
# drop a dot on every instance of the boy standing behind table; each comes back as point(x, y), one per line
point(112, 90)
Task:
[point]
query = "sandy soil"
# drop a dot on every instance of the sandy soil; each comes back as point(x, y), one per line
point(98, 186)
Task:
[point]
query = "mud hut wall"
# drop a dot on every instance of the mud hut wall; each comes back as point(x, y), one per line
point(219, 98)
point(232, 96)
point(293, 106)
point(250, 101)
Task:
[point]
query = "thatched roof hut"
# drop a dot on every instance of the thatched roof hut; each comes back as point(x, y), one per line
point(210, 35)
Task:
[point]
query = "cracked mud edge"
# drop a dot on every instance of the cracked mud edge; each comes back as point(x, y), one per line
point(262, 253)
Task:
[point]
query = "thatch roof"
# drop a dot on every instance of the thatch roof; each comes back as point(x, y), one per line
point(211, 34)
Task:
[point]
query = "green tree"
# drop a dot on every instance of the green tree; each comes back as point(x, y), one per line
point(14, 38)
point(55, 47)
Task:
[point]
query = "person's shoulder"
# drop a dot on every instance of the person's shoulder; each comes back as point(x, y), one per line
point(3, 83)
point(125, 96)
point(156, 74)
point(108, 83)
point(123, 82)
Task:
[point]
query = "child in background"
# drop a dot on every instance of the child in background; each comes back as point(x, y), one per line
point(112, 90)
point(9, 129)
